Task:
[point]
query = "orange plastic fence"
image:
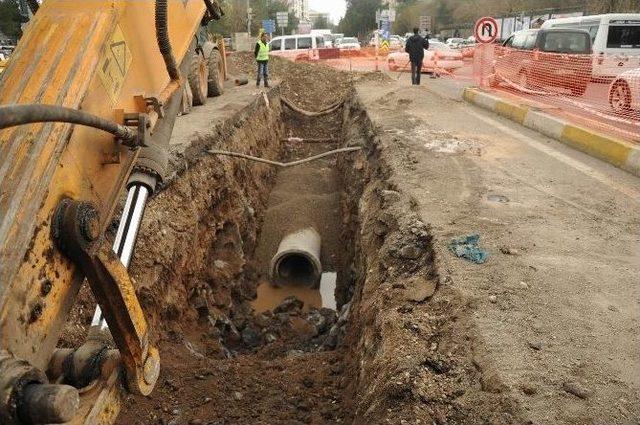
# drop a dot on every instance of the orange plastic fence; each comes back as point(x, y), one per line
point(602, 91)
point(456, 64)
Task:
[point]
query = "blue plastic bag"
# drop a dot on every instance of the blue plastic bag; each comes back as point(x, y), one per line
point(467, 247)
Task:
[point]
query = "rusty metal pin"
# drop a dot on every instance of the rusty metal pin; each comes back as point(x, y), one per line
point(90, 225)
point(51, 404)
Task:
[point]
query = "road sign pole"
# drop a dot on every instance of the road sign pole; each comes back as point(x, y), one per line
point(377, 46)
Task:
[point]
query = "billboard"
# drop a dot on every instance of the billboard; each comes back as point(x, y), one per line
point(499, 21)
point(566, 15)
point(538, 20)
point(508, 27)
point(523, 23)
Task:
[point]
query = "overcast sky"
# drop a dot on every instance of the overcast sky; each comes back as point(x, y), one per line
point(335, 7)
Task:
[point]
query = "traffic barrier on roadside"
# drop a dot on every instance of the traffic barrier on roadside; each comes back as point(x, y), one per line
point(561, 78)
point(603, 145)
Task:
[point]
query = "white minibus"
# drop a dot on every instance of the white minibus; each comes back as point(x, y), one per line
point(296, 46)
point(615, 37)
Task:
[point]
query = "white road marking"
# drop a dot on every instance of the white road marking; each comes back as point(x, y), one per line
point(578, 165)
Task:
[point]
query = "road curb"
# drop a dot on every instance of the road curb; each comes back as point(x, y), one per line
point(617, 152)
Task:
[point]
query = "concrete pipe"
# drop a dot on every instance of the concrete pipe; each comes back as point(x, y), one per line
point(297, 261)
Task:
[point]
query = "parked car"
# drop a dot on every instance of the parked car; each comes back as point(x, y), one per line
point(327, 37)
point(335, 38)
point(296, 46)
point(438, 57)
point(542, 58)
point(348, 43)
point(454, 42)
point(615, 38)
point(396, 42)
point(624, 92)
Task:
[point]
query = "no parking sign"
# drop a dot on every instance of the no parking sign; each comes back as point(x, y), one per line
point(486, 30)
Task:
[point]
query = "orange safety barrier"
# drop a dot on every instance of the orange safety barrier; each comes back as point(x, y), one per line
point(567, 79)
point(448, 63)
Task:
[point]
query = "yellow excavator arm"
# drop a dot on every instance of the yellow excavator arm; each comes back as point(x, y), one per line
point(87, 105)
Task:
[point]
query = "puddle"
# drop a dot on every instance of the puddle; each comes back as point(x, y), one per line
point(498, 198)
point(270, 296)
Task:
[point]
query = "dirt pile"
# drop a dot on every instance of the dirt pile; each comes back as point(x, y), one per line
point(312, 87)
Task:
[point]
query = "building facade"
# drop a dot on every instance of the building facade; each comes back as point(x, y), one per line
point(316, 16)
point(300, 8)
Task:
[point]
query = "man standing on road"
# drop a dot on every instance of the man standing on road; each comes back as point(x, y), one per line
point(416, 45)
point(261, 53)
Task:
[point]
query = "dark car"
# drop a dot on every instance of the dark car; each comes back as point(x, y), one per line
point(540, 58)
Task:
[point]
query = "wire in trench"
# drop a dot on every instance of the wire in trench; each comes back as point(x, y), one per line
point(326, 111)
point(285, 164)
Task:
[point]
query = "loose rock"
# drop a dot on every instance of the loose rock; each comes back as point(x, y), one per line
point(405, 309)
point(270, 338)
point(535, 345)
point(289, 305)
point(576, 389)
point(420, 288)
point(509, 251)
point(410, 252)
point(528, 389)
point(251, 336)
point(390, 196)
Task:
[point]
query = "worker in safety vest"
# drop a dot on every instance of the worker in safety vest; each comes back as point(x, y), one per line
point(261, 53)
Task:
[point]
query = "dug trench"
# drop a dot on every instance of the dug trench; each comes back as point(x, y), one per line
point(381, 340)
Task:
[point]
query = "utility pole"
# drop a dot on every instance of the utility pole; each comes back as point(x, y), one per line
point(249, 18)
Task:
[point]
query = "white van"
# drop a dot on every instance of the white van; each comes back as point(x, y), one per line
point(615, 37)
point(296, 46)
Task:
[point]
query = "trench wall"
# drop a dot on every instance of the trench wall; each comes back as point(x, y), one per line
point(197, 229)
point(412, 347)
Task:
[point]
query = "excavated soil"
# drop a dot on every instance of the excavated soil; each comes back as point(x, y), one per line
point(399, 348)
point(310, 86)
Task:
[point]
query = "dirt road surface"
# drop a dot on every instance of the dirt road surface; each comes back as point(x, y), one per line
point(557, 301)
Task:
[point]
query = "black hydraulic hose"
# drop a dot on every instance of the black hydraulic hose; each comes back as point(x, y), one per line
point(15, 115)
point(33, 5)
point(162, 36)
